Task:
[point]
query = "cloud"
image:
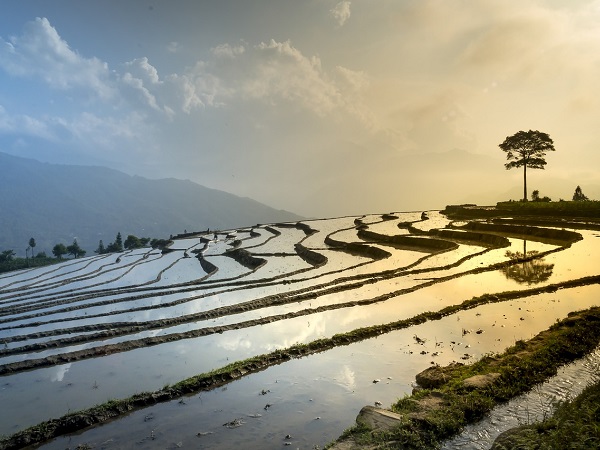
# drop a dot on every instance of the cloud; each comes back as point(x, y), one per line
point(142, 87)
point(356, 80)
point(142, 69)
point(105, 131)
point(173, 47)
point(197, 89)
point(41, 53)
point(137, 85)
point(283, 72)
point(227, 50)
point(515, 41)
point(23, 124)
point(276, 74)
point(341, 12)
point(110, 109)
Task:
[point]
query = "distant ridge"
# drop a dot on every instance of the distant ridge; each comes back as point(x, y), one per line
point(57, 203)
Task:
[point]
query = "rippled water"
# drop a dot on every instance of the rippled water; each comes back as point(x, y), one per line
point(535, 406)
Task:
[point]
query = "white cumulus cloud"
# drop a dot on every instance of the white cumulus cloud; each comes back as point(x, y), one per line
point(41, 53)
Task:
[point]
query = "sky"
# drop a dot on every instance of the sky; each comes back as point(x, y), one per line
point(320, 107)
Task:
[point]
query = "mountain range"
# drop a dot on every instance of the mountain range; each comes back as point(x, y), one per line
point(59, 203)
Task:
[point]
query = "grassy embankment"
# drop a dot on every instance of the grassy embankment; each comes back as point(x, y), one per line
point(563, 209)
point(431, 415)
point(27, 263)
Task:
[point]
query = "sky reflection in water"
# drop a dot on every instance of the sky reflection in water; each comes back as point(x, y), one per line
point(340, 379)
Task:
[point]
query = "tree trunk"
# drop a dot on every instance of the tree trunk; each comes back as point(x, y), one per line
point(525, 183)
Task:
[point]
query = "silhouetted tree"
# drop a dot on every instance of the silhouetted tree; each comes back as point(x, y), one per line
point(117, 246)
point(535, 197)
point(527, 149)
point(119, 242)
point(7, 255)
point(100, 250)
point(578, 196)
point(159, 243)
point(75, 250)
point(32, 244)
point(132, 242)
point(59, 250)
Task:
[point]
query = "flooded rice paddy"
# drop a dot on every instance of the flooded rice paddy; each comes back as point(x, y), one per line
point(107, 327)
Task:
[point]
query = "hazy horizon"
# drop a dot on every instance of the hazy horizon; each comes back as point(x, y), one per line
point(322, 108)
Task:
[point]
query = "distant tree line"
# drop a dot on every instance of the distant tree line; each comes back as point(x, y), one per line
point(132, 242)
point(9, 261)
point(578, 196)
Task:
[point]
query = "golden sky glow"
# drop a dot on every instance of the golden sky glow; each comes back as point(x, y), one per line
point(319, 107)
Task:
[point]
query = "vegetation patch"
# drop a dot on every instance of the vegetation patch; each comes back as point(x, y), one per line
point(589, 209)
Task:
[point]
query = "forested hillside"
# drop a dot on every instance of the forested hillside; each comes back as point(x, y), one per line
point(59, 203)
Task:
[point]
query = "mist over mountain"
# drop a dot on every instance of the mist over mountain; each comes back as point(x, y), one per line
point(59, 203)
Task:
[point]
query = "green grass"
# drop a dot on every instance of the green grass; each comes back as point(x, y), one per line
point(27, 263)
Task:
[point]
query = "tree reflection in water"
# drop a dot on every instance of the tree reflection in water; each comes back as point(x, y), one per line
point(531, 271)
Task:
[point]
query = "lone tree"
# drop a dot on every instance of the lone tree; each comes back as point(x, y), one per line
point(527, 149)
point(579, 196)
point(100, 250)
point(32, 244)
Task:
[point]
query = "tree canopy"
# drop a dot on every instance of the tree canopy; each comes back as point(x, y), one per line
point(579, 196)
point(117, 246)
point(7, 255)
point(32, 244)
point(75, 250)
point(59, 250)
point(527, 149)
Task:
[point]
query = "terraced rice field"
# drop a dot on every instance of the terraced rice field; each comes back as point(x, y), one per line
point(106, 327)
